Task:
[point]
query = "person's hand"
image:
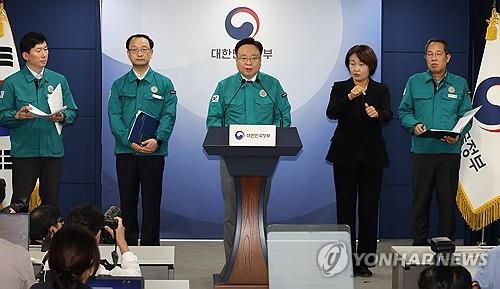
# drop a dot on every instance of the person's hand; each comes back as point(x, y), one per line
point(138, 148)
point(150, 145)
point(120, 235)
point(371, 111)
point(451, 140)
point(24, 113)
point(355, 92)
point(57, 117)
point(420, 129)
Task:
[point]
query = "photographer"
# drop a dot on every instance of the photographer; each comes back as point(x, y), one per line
point(45, 221)
point(91, 217)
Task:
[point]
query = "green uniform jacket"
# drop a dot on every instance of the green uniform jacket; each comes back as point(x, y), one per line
point(155, 95)
point(438, 109)
point(251, 105)
point(36, 137)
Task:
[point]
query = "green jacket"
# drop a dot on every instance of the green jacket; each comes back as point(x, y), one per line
point(154, 95)
point(251, 105)
point(438, 109)
point(36, 137)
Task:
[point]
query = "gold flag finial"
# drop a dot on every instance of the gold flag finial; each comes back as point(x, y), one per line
point(491, 31)
point(3, 18)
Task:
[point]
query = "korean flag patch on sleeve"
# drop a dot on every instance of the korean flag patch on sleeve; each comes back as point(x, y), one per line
point(215, 98)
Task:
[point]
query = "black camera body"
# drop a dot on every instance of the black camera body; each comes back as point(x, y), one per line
point(18, 206)
point(110, 221)
point(444, 249)
point(109, 217)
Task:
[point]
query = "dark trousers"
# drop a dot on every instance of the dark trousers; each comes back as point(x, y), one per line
point(229, 194)
point(431, 172)
point(359, 187)
point(146, 173)
point(25, 172)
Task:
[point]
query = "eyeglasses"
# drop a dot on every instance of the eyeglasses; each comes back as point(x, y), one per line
point(251, 59)
point(437, 54)
point(136, 50)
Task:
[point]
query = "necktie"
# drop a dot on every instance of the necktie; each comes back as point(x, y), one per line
point(37, 83)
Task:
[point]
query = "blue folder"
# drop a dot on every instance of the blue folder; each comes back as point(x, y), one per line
point(144, 127)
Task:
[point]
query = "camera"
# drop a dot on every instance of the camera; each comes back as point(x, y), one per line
point(19, 206)
point(109, 217)
point(444, 249)
point(110, 221)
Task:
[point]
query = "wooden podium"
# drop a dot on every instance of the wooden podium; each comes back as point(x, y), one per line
point(246, 267)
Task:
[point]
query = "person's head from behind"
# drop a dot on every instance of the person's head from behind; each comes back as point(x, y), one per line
point(139, 50)
point(35, 50)
point(361, 62)
point(45, 221)
point(248, 57)
point(73, 257)
point(445, 277)
point(89, 216)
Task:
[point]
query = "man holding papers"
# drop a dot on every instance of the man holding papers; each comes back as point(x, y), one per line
point(36, 142)
point(140, 100)
point(246, 97)
point(435, 99)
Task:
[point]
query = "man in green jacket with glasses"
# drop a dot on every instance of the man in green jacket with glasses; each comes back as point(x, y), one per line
point(141, 164)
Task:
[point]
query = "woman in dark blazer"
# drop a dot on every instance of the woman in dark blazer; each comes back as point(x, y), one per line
point(358, 151)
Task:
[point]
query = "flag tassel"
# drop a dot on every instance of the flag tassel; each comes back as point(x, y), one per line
point(478, 218)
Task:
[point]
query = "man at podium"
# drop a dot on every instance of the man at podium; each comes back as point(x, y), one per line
point(246, 97)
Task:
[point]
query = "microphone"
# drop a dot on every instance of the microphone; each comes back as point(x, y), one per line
point(231, 100)
point(272, 100)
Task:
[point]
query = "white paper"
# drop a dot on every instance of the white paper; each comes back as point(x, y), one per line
point(38, 113)
point(55, 100)
point(462, 122)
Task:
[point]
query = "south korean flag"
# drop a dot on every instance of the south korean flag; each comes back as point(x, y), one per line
point(9, 64)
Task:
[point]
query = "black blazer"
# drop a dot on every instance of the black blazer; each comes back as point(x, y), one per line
point(358, 138)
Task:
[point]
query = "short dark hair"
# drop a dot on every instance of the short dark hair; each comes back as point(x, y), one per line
point(73, 250)
point(151, 43)
point(87, 215)
point(41, 219)
point(365, 54)
point(250, 41)
point(445, 277)
point(30, 40)
point(438, 40)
